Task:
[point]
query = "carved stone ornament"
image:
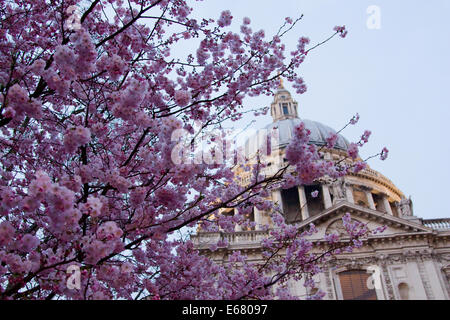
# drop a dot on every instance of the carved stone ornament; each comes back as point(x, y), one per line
point(337, 227)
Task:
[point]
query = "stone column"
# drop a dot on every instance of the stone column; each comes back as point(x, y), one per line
point(349, 193)
point(370, 199)
point(276, 196)
point(258, 218)
point(387, 205)
point(238, 227)
point(326, 196)
point(303, 204)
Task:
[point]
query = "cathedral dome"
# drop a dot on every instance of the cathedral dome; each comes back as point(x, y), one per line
point(284, 111)
point(318, 136)
point(283, 130)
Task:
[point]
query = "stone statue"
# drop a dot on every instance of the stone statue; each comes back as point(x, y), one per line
point(338, 189)
point(405, 206)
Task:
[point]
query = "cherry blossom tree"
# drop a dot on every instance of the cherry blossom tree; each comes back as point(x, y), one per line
point(91, 94)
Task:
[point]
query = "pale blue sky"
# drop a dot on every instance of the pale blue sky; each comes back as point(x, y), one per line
point(396, 78)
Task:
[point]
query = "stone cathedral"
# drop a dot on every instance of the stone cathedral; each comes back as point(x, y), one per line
point(412, 256)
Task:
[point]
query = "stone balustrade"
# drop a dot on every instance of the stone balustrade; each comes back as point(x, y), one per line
point(241, 238)
point(437, 224)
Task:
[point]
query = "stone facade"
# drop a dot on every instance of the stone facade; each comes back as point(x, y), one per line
point(410, 260)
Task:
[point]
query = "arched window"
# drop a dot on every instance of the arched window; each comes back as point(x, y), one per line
point(403, 290)
point(354, 285)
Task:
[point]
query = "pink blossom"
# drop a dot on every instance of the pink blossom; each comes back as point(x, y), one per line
point(9, 112)
point(353, 150)
point(109, 230)
point(75, 137)
point(6, 233)
point(126, 267)
point(341, 30)
point(355, 119)
point(119, 182)
point(225, 19)
point(332, 238)
point(384, 153)
point(115, 66)
point(28, 243)
point(66, 60)
point(182, 98)
point(365, 136)
point(38, 66)
point(94, 206)
point(358, 166)
point(20, 103)
point(331, 140)
point(18, 96)
point(97, 250)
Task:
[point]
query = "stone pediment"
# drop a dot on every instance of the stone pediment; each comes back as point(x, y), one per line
point(398, 229)
point(330, 221)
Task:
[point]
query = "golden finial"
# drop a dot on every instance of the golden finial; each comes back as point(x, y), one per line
point(280, 85)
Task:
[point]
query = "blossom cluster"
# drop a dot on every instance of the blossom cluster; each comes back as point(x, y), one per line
point(384, 153)
point(341, 30)
point(75, 137)
point(86, 175)
point(20, 104)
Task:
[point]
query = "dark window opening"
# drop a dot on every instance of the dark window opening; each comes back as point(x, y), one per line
point(228, 212)
point(285, 108)
point(378, 200)
point(354, 285)
point(360, 198)
point(291, 205)
point(315, 204)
